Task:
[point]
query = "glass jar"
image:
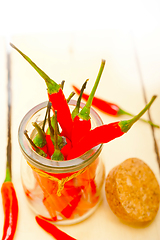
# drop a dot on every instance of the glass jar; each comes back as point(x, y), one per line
point(64, 192)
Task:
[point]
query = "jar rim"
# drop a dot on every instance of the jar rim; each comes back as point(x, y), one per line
point(49, 165)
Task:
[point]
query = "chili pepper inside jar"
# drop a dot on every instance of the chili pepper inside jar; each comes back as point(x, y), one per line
point(65, 192)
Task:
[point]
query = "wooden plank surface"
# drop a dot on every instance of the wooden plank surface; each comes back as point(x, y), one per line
point(74, 57)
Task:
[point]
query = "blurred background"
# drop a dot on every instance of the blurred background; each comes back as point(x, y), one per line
point(21, 17)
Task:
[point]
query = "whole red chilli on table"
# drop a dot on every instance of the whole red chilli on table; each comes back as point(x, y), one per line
point(53, 230)
point(65, 194)
point(9, 197)
point(10, 206)
point(109, 107)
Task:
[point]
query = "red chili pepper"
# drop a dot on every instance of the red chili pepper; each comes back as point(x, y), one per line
point(64, 118)
point(10, 208)
point(104, 134)
point(53, 230)
point(66, 148)
point(108, 107)
point(10, 205)
point(50, 145)
point(82, 122)
point(80, 128)
point(56, 97)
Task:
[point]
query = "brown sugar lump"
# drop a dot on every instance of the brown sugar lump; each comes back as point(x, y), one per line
point(132, 191)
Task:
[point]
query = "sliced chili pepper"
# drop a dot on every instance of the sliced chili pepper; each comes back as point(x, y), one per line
point(56, 97)
point(84, 206)
point(10, 206)
point(48, 203)
point(109, 107)
point(53, 203)
point(63, 204)
point(73, 190)
point(53, 230)
point(105, 133)
point(27, 192)
point(67, 212)
point(82, 122)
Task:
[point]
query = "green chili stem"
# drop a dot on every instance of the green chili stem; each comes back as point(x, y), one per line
point(85, 112)
point(38, 150)
point(121, 111)
point(45, 118)
point(51, 129)
point(70, 96)
point(39, 139)
point(8, 177)
point(56, 132)
point(62, 84)
point(57, 155)
point(53, 87)
point(76, 109)
point(127, 124)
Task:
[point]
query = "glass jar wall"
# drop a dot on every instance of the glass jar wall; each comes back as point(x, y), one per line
point(64, 192)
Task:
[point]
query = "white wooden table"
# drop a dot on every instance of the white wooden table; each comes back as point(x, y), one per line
point(131, 77)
